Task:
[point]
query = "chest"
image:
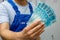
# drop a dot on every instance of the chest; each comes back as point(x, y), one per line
point(12, 13)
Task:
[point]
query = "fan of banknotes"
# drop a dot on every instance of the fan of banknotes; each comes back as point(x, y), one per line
point(44, 13)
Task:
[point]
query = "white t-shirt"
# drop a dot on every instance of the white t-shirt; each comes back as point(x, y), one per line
point(7, 12)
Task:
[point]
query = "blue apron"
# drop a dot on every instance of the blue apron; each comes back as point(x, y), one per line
point(20, 20)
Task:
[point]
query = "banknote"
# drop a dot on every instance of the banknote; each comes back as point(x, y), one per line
point(44, 13)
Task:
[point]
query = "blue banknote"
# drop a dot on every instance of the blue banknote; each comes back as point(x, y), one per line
point(45, 13)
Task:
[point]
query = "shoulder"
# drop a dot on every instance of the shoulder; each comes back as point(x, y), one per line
point(2, 8)
point(6, 5)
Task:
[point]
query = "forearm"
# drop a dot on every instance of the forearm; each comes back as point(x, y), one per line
point(7, 34)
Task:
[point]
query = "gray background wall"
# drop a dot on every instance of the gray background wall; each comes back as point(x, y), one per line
point(1, 1)
point(52, 32)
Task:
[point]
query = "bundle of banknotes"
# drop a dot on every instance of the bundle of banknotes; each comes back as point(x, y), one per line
point(45, 13)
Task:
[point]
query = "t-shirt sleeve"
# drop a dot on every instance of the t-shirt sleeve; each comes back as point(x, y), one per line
point(3, 14)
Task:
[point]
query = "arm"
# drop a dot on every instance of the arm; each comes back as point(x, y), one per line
point(4, 24)
point(33, 31)
point(6, 33)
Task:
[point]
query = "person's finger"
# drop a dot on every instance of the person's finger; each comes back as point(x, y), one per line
point(40, 26)
point(38, 32)
point(34, 24)
point(36, 35)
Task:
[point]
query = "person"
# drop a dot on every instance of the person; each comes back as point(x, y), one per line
point(14, 15)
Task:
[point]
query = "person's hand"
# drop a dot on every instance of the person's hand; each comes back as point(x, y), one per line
point(32, 31)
